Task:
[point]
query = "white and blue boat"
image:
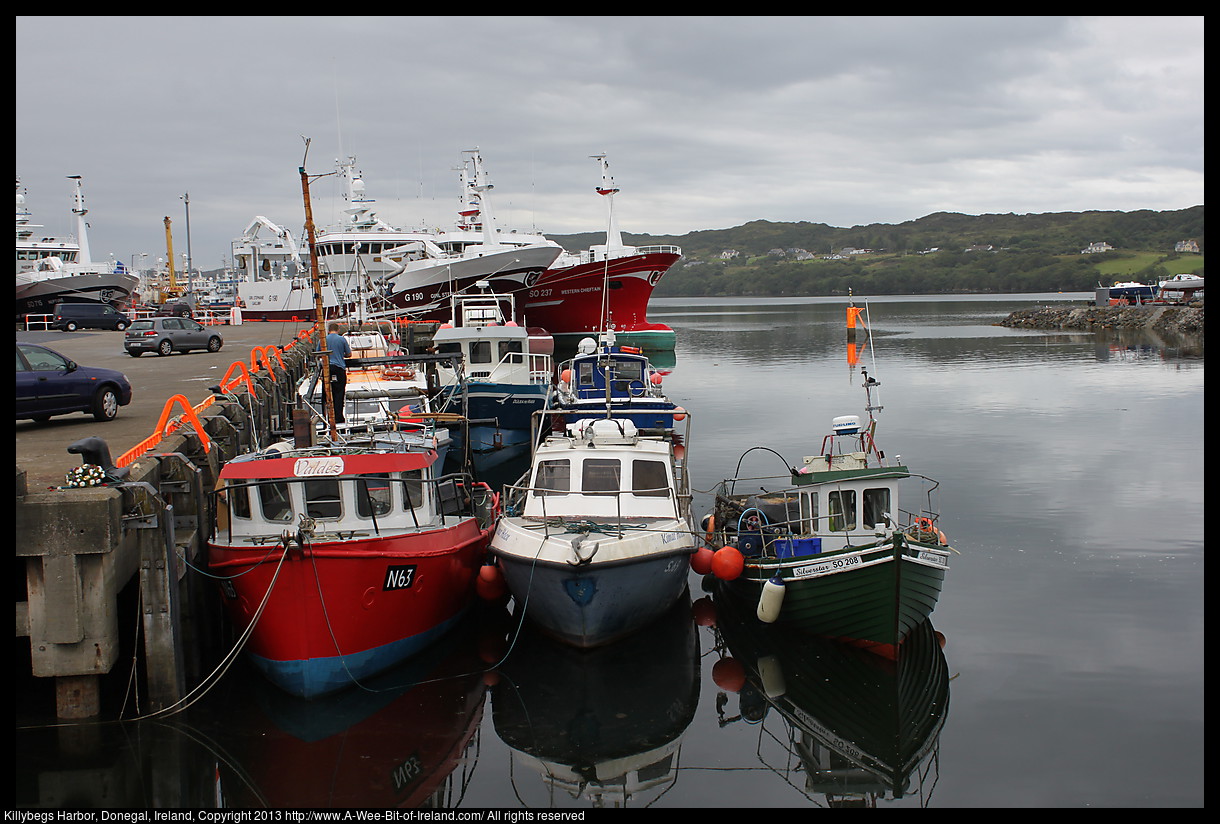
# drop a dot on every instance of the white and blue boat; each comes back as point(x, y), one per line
point(605, 376)
point(498, 375)
point(596, 539)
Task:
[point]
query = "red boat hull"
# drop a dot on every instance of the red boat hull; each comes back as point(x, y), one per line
point(345, 610)
point(568, 301)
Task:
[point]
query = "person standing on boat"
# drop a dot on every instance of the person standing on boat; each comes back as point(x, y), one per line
point(340, 350)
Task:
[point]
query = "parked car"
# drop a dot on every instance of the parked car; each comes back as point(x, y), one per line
point(72, 316)
point(179, 309)
point(50, 384)
point(167, 335)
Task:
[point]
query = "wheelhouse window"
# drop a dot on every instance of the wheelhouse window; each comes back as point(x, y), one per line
point(600, 475)
point(480, 351)
point(374, 495)
point(553, 477)
point(649, 479)
point(809, 510)
point(510, 347)
point(275, 501)
point(630, 371)
point(876, 507)
point(239, 501)
point(322, 499)
point(413, 489)
point(842, 510)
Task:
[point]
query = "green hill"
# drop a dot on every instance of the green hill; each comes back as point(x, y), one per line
point(942, 252)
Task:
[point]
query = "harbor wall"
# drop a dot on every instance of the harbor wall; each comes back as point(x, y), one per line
point(1186, 321)
point(80, 550)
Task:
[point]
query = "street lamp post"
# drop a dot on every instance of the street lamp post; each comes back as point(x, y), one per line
point(190, 286)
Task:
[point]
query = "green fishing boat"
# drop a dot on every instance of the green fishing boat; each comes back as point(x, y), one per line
point(826, 546)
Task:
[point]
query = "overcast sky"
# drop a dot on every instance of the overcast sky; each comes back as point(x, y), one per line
point(708, 122)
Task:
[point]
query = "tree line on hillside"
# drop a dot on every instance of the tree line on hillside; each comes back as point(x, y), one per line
point(947, 271)
point(1035, 252)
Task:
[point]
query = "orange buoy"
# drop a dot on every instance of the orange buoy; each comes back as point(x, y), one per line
point(679, 413)
point(704, 612)
point(490, 584)
point(565, 376)
point(656, 379)
point(701, 560)
point(727, 563)
point(729, 674)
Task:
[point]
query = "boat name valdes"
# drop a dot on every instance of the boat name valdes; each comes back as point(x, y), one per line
point(311, 467)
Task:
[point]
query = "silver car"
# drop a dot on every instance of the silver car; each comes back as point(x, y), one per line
point(167, 335)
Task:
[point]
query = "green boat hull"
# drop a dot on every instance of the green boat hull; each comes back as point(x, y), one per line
point(880, 718)
point(870, 596)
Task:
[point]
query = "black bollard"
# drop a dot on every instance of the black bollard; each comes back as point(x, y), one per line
point(93, 450)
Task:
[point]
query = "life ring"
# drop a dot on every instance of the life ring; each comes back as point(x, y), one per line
point(408, 374)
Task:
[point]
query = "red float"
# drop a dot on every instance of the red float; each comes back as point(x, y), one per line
point(701, 561)
point(729, 674)
point(727, 563)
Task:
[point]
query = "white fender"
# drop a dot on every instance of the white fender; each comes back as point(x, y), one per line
point(771, 600)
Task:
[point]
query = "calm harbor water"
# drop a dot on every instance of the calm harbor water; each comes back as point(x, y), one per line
point(1071, 470)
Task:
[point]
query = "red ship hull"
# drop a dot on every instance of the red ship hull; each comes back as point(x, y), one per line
point(569, 300)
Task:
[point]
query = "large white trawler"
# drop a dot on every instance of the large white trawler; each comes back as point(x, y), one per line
point(53, 270)
point(416, 271)
point(365, 259)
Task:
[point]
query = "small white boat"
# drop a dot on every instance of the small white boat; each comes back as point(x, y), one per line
point(1180, 289)
point(596, 539)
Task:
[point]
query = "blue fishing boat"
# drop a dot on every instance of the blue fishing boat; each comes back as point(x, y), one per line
point(604, 377)
point(499, 374)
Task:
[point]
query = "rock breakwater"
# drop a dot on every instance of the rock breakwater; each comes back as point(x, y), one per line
point(1172, 320)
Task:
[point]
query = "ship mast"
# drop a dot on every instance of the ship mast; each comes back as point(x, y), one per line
point(319, 315)
point(614, 239)
point(82, 233)
point(481, 187)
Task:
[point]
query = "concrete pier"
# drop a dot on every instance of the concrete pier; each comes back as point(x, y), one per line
point(148, 525)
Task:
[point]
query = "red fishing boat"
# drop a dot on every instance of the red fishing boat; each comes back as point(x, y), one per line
point(341, 560)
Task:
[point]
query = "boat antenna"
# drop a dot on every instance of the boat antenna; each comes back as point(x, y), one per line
point(315, 282)
point(608, 190)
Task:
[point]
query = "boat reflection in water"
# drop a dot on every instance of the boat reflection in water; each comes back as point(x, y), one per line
point(861, 727)
point(603, 725)
point(400, 740)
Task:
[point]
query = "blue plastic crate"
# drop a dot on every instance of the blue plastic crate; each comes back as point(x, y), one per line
point(797, 547)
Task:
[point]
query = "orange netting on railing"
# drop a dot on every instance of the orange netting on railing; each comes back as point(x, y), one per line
point(260, 356)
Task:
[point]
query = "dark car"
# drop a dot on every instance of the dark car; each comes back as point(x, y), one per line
point(72, 316)
point(50, 384)
point(172, 310)
point(167, 335)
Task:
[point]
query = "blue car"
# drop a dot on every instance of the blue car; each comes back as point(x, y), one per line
point(50, 384)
